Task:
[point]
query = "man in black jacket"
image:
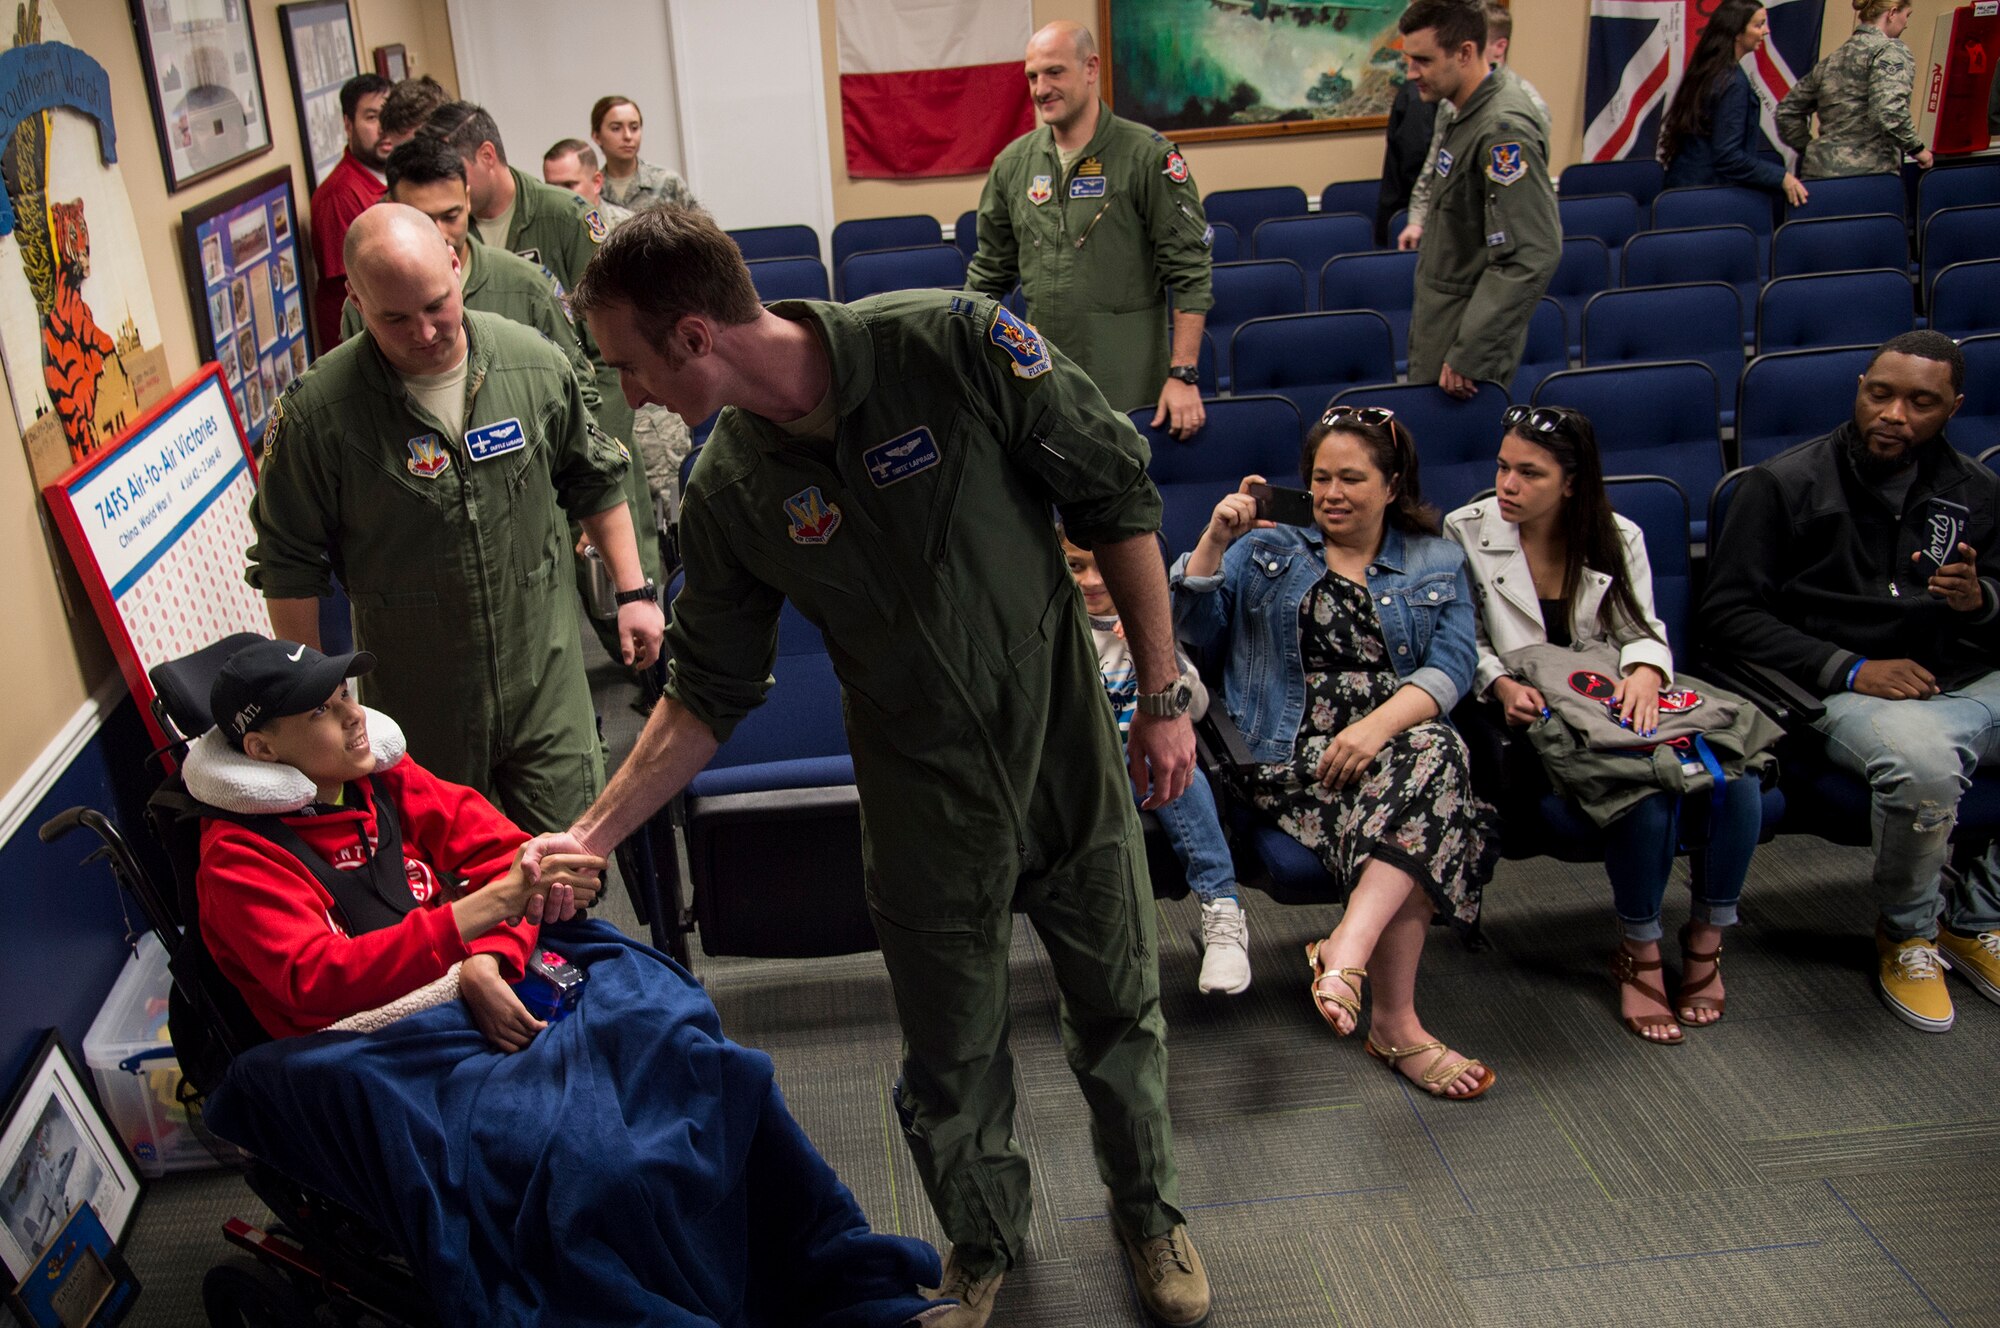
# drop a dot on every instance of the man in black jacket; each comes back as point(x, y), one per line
point(1853, 565)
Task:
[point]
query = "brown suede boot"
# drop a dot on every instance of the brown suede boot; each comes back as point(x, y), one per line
point(1173, 1285)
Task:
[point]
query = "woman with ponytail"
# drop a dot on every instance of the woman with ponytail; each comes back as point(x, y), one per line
point(1862, 96)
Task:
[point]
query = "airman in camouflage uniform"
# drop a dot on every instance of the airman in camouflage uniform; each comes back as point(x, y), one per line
point(1862, 95)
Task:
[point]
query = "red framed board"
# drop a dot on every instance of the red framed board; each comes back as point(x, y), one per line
point(158, 524)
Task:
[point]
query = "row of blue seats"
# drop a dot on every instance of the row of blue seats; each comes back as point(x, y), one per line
point(762, 855)
point(1913, 194)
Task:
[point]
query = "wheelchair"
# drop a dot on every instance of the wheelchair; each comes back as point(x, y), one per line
point(318, 1255)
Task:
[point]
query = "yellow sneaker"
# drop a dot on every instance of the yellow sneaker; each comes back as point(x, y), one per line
point(1975, 958)
point(1911, 980)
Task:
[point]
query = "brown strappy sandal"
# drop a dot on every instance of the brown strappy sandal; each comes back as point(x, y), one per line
point(1626, 968)
point(1690, 1000)
point(1440, 1070)
point(1349, 1000)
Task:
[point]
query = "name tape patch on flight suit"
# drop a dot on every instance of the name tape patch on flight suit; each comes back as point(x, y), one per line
point(1444, 163)
point(1507, 164)
point(1024, 345)
point(428, 457)
point(812, 518)
point(496, 439)
point(1176, 168)
point(1091, 186)
point(1038, 190)
point(532, 255)
point(899, 458)
point(1496, 239)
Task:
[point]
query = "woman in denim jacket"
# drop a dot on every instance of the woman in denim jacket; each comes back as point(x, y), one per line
point(1348, 644)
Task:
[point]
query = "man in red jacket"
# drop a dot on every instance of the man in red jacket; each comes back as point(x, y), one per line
point(350, 188)
point(287, 732)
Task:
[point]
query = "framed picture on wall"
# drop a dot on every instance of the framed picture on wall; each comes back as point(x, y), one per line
point(1201, 70)
point(57, 1155)
point(392, 62)
point(240, 255)
point(319, 44)
point(205, 83)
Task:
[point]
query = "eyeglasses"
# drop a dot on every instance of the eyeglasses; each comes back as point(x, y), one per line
point(1372, 415)
point(1542, 419)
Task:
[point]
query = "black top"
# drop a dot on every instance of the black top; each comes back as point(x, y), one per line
point(1405, 148)
point(1812, 570)
point(1555, 621)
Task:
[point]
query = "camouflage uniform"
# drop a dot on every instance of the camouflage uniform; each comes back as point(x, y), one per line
point(1420, 192)
point(1862, 95)
point(648, 186)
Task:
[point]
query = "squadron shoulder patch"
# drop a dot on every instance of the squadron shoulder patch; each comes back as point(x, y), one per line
point(1176, 168)
point(1024, 346)
point(1507, 163)
point(811, 518)
point(593, 221)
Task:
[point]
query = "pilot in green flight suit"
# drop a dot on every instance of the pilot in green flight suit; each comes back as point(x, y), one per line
point(453, 547)
point(912, 525)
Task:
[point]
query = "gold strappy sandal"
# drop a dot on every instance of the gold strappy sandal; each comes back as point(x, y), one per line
point(1349, 1000)
point(1439, 1072)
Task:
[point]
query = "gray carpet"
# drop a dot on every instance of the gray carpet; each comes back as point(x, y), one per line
point(1809, 1161)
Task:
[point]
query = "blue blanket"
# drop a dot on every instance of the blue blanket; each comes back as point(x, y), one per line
point(631, 1166)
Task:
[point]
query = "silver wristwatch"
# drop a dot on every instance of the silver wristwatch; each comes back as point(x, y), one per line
point(1170, 704)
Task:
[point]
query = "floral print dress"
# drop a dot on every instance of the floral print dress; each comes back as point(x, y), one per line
point(1414, 807)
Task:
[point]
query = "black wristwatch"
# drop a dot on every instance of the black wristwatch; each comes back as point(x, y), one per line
point(647, 594)
point(1170, 704)
point(1185, 373)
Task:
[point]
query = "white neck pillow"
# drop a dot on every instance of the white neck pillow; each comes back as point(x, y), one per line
point(221, 776)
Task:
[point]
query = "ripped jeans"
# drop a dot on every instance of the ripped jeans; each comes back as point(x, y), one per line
point(1918, 758)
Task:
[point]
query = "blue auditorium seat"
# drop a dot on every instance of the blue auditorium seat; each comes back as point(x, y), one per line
point(1243, 435)
point(777, 242)
point(1612, 218)
point(1959, 235)
point(1698, 321)
point(1224, 245)
point(1956, 186)
point(905, 232)
point(1244, 208)
point(1351, 196)
point(1641, 177)
point(1976, 427)
point(1384, 282)
point(1719, 205)
point(1310, 357)
point(1840, 244)
point(1835, 309)
point(875, 271)
point(965, 233)
point(1584, 270)
point(1251, 290)
point(1547, 350)
point(1965, 298)
point(788, 278)
point(1651, 419)
point(1456, 440)
point(1728, 254)
point(1790, 396)
point(1853, 196)
point(1312, 241)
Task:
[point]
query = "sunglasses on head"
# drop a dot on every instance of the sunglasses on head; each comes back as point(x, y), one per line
point(1370, 415)
point(1541, 419)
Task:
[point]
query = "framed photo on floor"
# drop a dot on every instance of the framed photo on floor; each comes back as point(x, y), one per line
point(57, 1155)
point(319, 45)
point(205, 83)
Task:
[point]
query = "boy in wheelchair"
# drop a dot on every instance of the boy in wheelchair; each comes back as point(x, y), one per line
point(286, 730)
point(623, 1164)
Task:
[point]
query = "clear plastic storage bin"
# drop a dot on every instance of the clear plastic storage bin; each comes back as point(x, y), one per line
point(137, 1075)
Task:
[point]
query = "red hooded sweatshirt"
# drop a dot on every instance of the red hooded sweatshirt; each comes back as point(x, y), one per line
point(273, 930)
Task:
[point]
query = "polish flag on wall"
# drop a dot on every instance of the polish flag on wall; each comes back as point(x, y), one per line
point(932, 87)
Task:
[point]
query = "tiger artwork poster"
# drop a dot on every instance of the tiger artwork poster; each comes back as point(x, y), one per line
point(79, 335)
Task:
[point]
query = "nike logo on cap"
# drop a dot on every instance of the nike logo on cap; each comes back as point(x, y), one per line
point(294, 656)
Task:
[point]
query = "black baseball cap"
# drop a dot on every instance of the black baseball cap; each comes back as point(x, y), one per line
point(271, 679)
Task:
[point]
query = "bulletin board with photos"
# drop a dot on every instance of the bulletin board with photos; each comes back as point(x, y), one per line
point(246, 283)
point(319, 41)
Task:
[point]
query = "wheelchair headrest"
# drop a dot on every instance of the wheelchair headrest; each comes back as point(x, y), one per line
point(183, 684)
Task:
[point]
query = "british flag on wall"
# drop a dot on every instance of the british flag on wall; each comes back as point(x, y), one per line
point(1638, 49)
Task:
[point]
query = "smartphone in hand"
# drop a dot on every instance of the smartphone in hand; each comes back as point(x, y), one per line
point(1287, 507)
point(1944, 522)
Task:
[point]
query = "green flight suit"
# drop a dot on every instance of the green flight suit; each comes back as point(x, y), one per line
point(1096, 249)
point(455, 565)
point(1491, 243)
point(989, 767)
point(497, 282)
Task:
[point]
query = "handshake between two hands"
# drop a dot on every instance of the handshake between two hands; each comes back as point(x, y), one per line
point(552, 886)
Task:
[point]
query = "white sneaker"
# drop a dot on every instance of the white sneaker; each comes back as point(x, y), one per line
point(1225, 948)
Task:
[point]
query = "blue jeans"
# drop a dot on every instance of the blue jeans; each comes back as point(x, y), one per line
point(1918, 758)
point(1194, 828)
point(1639, 855)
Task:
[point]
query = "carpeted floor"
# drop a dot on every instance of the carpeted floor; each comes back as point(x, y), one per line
point(1809, 1161)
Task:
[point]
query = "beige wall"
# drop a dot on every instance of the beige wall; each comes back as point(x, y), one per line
point(59, 660)
point(1549, 50)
